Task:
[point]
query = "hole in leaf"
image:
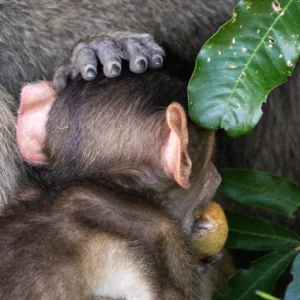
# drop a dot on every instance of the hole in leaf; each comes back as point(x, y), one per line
point(276, 6)
point(271, 40)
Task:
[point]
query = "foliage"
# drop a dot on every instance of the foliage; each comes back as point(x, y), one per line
point(261, 189)
point(262, 275)
point(247, 233)
point(265, 296)
point(236, 69)
point(258, 235)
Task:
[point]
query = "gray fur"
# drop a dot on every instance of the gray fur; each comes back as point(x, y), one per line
point(37, 36)
point(11, 162)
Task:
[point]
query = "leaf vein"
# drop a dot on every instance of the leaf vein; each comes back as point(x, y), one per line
point(252, 56)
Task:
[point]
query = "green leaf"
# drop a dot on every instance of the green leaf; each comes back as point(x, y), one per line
point(262, 275)
point(293, 290)
point(249, 56)
point(261, 189)
point(252, 234)
point(265, 296)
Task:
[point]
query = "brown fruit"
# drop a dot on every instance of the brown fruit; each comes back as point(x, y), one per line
point(211, 231)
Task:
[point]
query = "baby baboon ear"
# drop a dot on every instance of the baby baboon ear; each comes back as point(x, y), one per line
point(175, 155)
point(36, 101)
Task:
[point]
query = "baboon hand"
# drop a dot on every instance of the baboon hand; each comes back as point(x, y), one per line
point(140, 50)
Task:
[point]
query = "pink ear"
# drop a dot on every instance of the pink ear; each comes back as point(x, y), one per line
point(175, 155)
point(36, 101)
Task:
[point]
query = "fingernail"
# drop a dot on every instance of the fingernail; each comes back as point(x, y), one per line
point(157, 60)
point(141, 64)
point(115, 69)
point(90, 72)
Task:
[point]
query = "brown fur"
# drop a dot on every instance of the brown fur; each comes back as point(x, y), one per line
point(63, 248)
point(130, 207)
point(122, 130)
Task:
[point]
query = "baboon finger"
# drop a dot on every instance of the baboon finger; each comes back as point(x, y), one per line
point(110, 57)
point(156, 61)
point(137, 56)
point(143, 52)
point(85, 61)
point(62, 75)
